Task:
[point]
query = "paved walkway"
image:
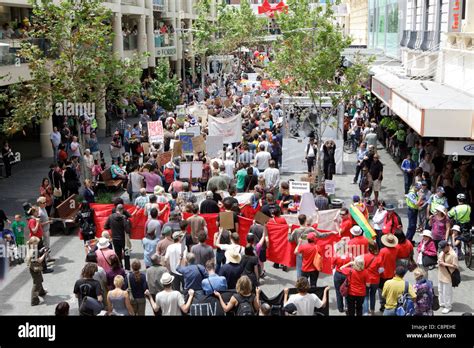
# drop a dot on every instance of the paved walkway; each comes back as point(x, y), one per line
point(15, 290)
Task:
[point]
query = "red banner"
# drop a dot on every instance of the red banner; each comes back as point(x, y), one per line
point(247, 211)
point(280, 250)
point(138, 220)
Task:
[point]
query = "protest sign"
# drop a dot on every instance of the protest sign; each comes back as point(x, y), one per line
point(261, 218)
point(186, 143)
point(230, 128)
point(190, 170)
point(177, 148)
point(181, 114)
point(214, 144)
point(299, 187)
point(198, 144)
point(226, 220)
point(196, 130)
point(165, 157)
point(155, 132)
point(330, 187)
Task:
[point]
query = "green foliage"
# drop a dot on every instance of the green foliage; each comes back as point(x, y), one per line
point(78, 66)
point(164, 89)
point(104, 197)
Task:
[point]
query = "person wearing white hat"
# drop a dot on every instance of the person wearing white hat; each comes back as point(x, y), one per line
point(359, 244)
point(427, 253)
point(232, 270)
point(175, 256)
point(169, 301)
point(104, 253)
point(440, 225)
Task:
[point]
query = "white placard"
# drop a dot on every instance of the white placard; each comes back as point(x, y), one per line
point(190, 169)
point(330, 186)
point(299, 187)
point(196, 130)
point(214, 144)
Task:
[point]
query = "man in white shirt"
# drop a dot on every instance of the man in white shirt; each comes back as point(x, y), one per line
point(75, 148)
point(262, 158)
point(174, 255)
point(55, 138)
point(229, 165)
point(272, 177)
point(305, 303)
point(427, 165)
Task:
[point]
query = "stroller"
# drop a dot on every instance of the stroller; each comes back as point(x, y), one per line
point(12, 249)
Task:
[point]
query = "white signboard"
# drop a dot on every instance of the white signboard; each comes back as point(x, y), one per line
point(190, 169)
point(196, 130)
point(458, 148)
point(330, 187)
point(299, 187)
point(214, 144)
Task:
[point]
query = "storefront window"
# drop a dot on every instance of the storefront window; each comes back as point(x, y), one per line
point(383, 26)
point(392, 41)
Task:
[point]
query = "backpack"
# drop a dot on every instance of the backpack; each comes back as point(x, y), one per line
point(424, 297)
point(245, 307)
point(405, 305)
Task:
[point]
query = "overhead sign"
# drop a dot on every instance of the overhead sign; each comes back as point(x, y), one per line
point(458, 148)
point(299, 187)
point(381, 91)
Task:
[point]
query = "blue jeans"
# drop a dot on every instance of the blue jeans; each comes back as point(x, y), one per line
point(220, 259)
point(299, 264)
point(412, 220)
point(389, 312)
point(408, 179)
point(338, 280)
point(370, 296)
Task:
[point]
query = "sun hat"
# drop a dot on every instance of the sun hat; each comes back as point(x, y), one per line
point(456, 228)
point(232, 256)
point(441, 209)
point(356, 230)
point(177, 234)
point(166, 279)
point(41, 200)
point(427, 233)
point(389, 240)
point(103, 243)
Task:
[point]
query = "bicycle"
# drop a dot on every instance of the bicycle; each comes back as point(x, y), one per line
point(467, 248)
point(348, 146)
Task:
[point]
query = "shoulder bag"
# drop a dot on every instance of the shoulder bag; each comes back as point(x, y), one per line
point(344, 288)
point(318, 260)
point(57, 192)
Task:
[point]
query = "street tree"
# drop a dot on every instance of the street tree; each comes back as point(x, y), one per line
point(307, 60)
point(70, 58)
point(163, 89)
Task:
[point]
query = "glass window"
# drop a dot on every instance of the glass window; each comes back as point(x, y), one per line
point(380, 15)
point(392, 45)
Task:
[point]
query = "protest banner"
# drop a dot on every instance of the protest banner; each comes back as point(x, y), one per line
point(230, 128)
point(186, 143)
point(165, 157)
point(299, 187)
point(155, 132)
point(199, 144)
point(214, 144)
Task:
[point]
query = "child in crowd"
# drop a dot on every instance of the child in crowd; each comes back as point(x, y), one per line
point(18, 228)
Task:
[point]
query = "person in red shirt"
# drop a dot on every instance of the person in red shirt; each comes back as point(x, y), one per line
point(34, 224)
point(358, 245)
point(340, 258)
point(345, 223)
point(404, 249)
point(277, 218)
point(308, 252)
point(358, 283)
point(392, 221)
point(388, 258)
point(372, 264)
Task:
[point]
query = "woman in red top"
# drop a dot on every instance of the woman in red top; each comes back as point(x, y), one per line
point(34, 224)
point(388, 258)
point(359, 244)
point(168, 174)
point(404, 249)
point(308, 252)
point(340, 258)
point(372, 266)
point(358, 282)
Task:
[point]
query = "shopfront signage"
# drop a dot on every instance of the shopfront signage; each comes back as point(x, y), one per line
point(455, 16)
point(459, 148)
point(382, 91)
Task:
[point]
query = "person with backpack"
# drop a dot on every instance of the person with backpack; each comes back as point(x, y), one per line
point(395, 290)
point(87, 286)
point(448, 275)
point(305, 302)
point(245, 302)
point(424, 294)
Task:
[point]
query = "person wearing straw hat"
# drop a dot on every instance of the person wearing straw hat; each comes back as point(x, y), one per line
point(359, 244)
point(171, 302)
point(427, 255)
point(440, 225)
point(388, 258)
point(104, 253)
point(232, 270)
point(456, 241)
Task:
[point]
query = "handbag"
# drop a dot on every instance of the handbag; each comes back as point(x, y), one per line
point(318, 261)
point(435, 303)
point(455, 277)
point(428, 261)
point(344, 288)
point(411, 264)
point(57, 192)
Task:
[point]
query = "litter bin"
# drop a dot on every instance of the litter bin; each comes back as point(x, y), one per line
point(337, 203)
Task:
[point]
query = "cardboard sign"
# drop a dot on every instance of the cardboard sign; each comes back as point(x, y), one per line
point(254, 132)
point(165, 157)
point(155, 132)
point(226, 220)
point(177, 148)
point(261, 218)
point(181, 114)
point(330, 187)
point(214, 144)
point(146, 148)
point(186, 140)
point(190, 170)
point(228, 103)
point(198, 144)
point(299, 187)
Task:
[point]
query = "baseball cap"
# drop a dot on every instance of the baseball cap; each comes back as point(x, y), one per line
point(311, 236)
point(442, 244)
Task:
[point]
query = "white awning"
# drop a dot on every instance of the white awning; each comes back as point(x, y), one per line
point(430, 108)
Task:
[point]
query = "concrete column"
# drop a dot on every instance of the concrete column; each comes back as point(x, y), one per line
point(100, 116)
point(46, 127)
point(118, 38)
point(179, 44)
point(192, 57)
point(142, 40)
point(150, 41)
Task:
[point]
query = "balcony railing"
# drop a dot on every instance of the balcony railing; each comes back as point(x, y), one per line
point(129, 2)
point(130, 42)
point(164, 40)
point(9, 50)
